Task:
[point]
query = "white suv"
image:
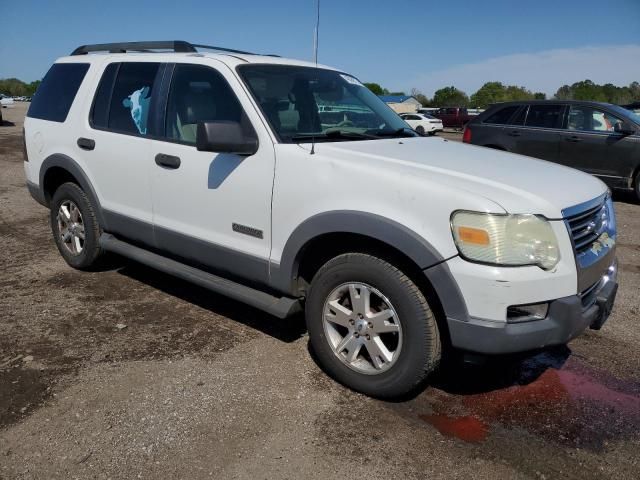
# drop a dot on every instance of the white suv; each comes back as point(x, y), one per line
point(286, 185)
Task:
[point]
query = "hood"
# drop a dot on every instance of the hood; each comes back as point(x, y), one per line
point(517, 183)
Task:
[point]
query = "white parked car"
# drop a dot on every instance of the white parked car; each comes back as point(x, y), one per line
point(218, 168)
point(422, 123)
point(5, 101)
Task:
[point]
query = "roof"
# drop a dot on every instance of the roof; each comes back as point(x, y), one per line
point(168, 51)
point(552, 102)
point(396, 98)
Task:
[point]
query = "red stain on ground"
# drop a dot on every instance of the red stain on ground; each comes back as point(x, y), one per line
point(573, 404)
point(467, 428)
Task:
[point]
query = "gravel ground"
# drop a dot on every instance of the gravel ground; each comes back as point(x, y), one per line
point(128, 373)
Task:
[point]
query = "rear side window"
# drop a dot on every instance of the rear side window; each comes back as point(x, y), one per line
point(502, 116)
point(545, 116)
point(57, 91)
point(130, 99)
point(102, 100)
point(521, 116)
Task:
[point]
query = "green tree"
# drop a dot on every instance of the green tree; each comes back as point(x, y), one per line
point(376, 88)
point(495, 92)
point(564, 93)
point(540, 96)
point(450, 97)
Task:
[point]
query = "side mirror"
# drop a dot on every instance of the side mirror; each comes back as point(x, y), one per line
point(224, 136)
point(624, 128)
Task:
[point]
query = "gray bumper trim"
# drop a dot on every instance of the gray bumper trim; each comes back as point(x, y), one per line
point(36, 193)
point(566, 319)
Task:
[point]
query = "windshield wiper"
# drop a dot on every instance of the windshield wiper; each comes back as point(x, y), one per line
point(400, 132)
point(337, 134)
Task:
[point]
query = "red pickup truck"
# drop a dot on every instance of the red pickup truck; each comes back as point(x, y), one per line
point(453, 117)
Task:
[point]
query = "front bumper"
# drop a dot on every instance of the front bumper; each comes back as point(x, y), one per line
point(567, 318)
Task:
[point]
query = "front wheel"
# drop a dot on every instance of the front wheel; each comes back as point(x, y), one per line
point(371, 326)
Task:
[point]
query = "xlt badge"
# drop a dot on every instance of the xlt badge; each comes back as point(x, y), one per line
point(252, 232)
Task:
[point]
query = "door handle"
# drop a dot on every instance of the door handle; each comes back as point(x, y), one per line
point(514, 133)
point(86, 143)
point(168, 161)
point(573, 139)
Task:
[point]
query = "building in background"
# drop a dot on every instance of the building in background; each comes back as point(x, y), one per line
point(401, 103)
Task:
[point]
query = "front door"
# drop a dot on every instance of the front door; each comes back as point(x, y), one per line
point(212, 210)
point(591, 144)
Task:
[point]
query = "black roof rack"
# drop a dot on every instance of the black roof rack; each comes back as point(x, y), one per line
point(173, 45)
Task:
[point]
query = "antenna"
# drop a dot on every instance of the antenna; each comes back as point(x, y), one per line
point(315, 57)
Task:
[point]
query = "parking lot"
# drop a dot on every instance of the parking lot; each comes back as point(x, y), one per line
point(130, 373)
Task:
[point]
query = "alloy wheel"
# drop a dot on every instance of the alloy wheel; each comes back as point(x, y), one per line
point(71, 227)
point(362, 328)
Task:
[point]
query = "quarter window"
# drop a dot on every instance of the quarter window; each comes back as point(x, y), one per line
point(58, 90)
point(545, 116)
point(590, 119)
point(131, 97)
point(502, 116)
point(198, 94)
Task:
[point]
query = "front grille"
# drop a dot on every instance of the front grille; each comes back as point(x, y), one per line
point(585, 227)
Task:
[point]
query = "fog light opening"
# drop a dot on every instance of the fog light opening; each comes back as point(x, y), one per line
point(527, 313)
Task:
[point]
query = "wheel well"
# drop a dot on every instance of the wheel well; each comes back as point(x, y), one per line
point(53, 178)
point(323, 248)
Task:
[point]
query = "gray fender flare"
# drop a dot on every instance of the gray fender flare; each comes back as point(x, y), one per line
point(383, 229)
point(67, 163)
point(380, 228)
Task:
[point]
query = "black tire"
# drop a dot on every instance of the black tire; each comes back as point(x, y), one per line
point(91, 251)
point(421, 347)
point(420, 129)
point(636, 185)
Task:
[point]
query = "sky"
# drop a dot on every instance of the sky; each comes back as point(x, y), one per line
point(401, 44)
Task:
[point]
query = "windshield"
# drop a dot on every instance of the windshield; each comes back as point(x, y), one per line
point(629, 114)
point(302, 103)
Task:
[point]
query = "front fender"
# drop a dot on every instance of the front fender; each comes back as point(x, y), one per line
point(383, 229)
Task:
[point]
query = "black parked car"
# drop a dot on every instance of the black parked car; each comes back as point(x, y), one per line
point(598, 138)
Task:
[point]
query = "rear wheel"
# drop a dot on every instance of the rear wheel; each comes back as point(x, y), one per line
point(75, 227)
point(420, 129)
point(371, 327)
point(637, 186)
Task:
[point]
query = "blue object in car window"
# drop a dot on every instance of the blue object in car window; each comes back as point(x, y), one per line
point(138, 103)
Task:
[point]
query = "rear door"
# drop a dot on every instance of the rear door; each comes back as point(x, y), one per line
point(492, 131)
point(540, 134)
point(591, 144)
point(120, 127)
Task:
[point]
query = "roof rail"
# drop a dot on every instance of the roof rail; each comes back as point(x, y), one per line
point(173, 45)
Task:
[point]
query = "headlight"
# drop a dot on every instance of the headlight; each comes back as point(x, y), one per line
point(514, 240)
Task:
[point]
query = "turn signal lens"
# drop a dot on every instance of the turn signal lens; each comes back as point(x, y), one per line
point(475, 236)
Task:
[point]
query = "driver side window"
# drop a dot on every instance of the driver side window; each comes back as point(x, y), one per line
point(198, 94)
point(589, 119)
